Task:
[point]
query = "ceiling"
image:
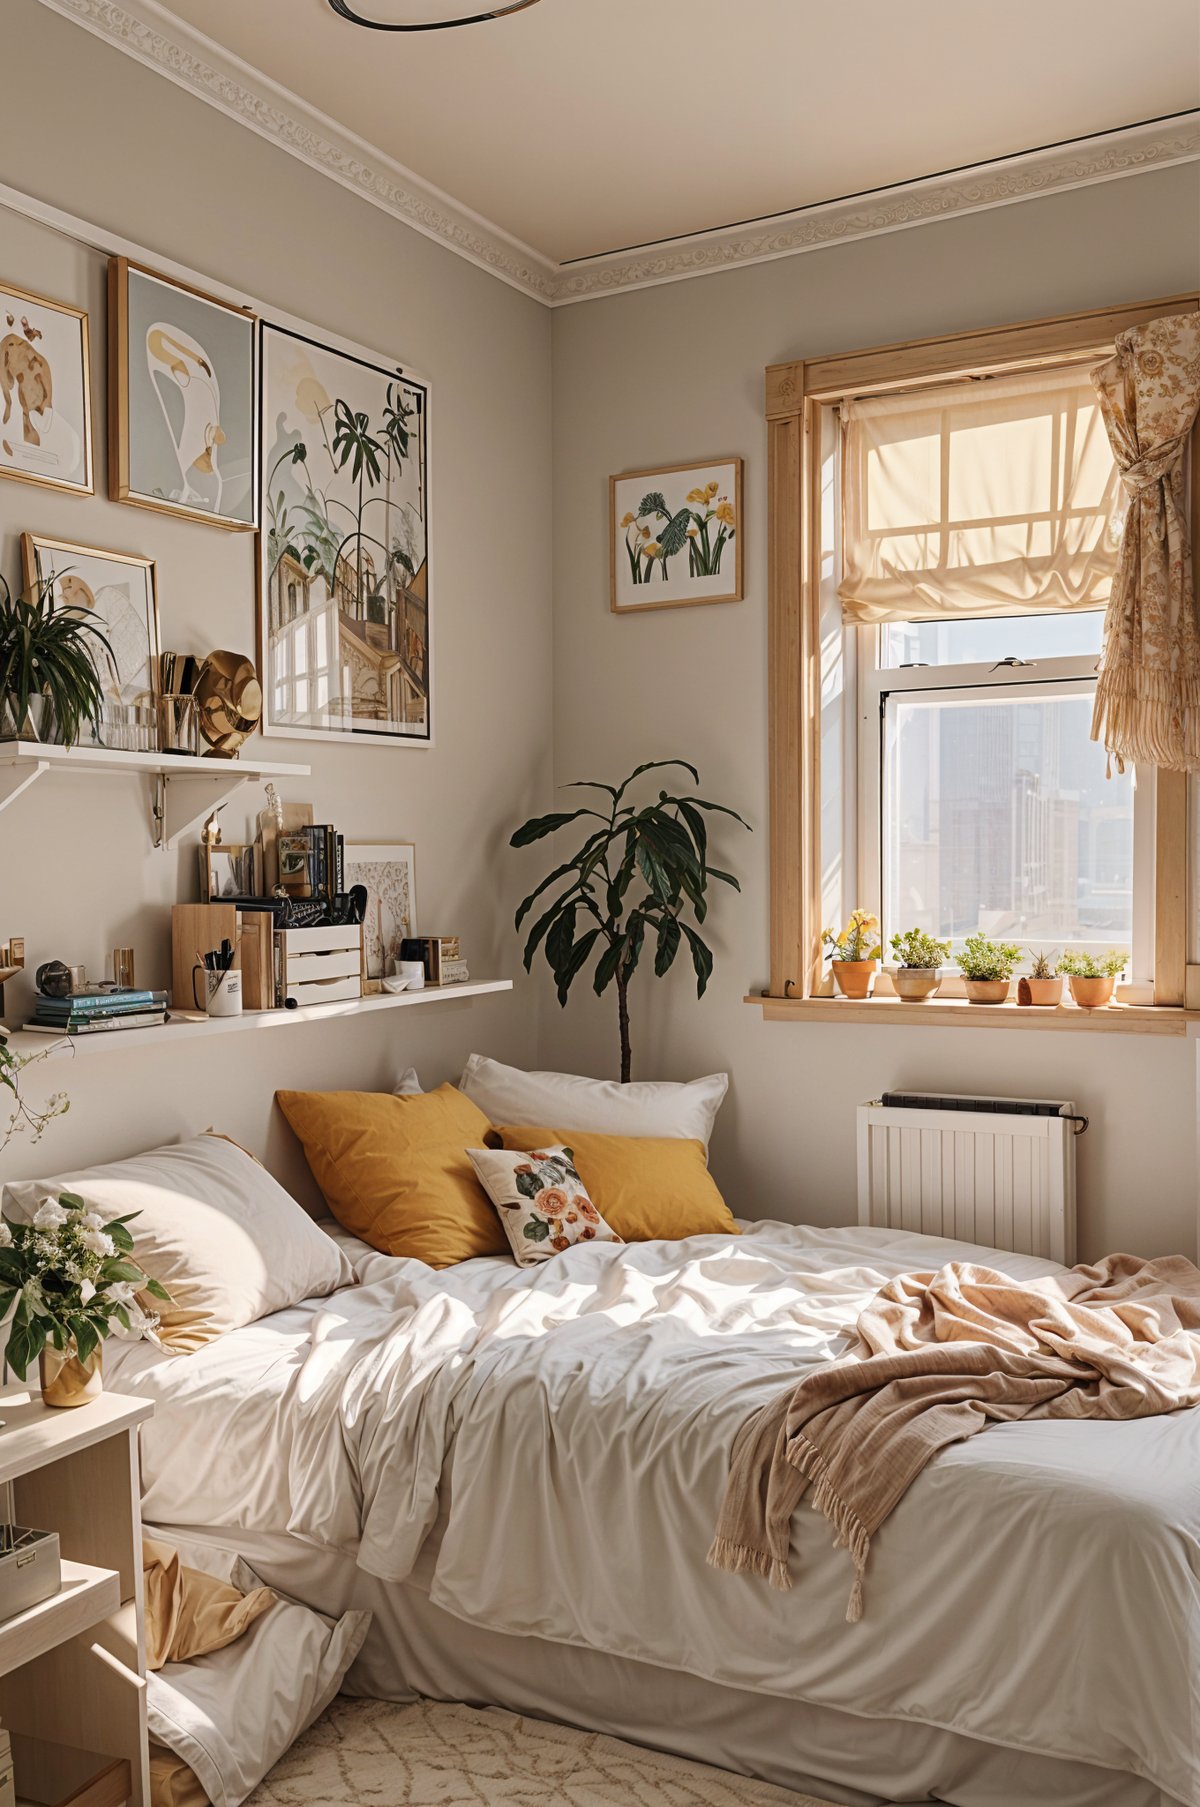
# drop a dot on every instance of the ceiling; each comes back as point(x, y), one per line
point(581, 127)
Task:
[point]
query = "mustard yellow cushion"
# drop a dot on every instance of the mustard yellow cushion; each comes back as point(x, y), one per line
point(395, 1172)
point(647, 1188)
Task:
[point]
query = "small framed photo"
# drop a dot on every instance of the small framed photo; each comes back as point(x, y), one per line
point(389, 875)
point(230, 870)
point(675, 535)
point(121, 588)
point(183, 399)
point(45, 392)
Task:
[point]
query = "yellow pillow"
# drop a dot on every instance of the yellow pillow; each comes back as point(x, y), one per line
point(394, 1170)
point(647, 1188)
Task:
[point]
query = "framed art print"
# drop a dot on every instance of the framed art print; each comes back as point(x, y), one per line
point(183, 392)
point(344, 602)
point(389, 874)
point(45, 392)
point(675, 535)
point(121, 589)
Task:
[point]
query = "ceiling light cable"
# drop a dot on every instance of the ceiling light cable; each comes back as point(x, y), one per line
point(345, 11)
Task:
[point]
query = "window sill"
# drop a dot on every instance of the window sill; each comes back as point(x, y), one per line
point(958, 1013)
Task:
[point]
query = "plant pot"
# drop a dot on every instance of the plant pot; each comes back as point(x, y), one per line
point(1045, 991)
point(67, 1381)
point(916, 983)
point(854, 978)
point(1092, 994)
point(987, 991)
point(38, 722)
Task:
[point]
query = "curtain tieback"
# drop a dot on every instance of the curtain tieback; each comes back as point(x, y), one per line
point(1146, 471)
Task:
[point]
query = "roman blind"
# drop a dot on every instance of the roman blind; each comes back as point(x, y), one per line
point(989, 496)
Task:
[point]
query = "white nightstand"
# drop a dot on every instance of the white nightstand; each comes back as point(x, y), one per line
point(72, 1669)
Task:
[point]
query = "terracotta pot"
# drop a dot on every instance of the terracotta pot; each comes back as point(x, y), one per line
point(1092, 994)
point(67, 1381)
point(916, 983)
point(854, 978)
point(987, 991)
point(1045, 991)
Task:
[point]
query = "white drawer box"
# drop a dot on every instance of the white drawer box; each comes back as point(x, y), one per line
point(324, 991)
point(323, 966)
point(322, 941)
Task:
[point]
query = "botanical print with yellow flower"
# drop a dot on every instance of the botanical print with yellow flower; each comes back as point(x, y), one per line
point(678, 537)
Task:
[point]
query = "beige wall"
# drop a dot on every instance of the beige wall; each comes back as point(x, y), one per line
point(675, 373)
point(121, 147)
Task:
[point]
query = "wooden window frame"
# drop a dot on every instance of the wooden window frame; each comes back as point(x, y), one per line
point(795, 394)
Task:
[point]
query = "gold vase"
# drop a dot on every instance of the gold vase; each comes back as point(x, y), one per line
point(66, 1380)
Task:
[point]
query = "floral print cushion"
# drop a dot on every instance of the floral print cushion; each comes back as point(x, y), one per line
point(542, 1202)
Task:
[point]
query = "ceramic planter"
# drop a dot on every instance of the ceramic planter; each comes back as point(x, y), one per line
point(1045, 991)
point(67, 1381)
point(854, 978)
point(38, 722)
point(1092, 994)
point(987, 991)
point(916, 983)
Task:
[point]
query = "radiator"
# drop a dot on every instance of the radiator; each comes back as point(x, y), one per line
point(999, 1171)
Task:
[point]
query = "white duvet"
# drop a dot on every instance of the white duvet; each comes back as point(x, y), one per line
point(565, 1430)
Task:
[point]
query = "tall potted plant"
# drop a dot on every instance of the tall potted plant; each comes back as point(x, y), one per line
point(48, 677)
point(638, 872)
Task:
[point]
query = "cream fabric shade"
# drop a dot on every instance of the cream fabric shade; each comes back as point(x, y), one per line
point(991, 497)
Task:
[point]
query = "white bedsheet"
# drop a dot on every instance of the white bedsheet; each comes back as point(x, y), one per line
point(1038, 1587)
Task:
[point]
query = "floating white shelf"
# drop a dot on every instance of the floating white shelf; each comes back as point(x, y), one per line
point(86, 1596)
point(186, 790)
point(185, 1027)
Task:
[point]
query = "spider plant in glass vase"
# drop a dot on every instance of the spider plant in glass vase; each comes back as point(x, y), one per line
point(919, 959)
point(49, 682)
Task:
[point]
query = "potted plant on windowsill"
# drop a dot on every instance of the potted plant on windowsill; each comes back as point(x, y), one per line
point(988, 967)
point(1092, 977)
point(855, 954)
point(1044, 983)
point(920, 957)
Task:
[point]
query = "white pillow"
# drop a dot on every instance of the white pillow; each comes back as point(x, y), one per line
point(509, 1096)
point(408, 1085)
point(541, 1200)
point(232, 1715)
point(225, 1239)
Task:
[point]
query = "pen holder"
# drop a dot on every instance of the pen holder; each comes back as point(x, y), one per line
point(222, 991)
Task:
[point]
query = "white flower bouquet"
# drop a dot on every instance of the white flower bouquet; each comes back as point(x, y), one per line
point(71, 1278)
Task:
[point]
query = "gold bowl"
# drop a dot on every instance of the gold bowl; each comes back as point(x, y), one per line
point(228, 703)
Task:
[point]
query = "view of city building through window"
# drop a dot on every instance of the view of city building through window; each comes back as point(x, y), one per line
point(997, 814)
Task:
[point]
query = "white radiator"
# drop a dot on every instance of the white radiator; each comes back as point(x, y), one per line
point(1000, 1176)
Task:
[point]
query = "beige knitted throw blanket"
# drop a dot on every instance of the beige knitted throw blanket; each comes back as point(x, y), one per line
point(939, 1357)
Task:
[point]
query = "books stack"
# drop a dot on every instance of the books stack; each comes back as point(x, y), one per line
point(312, 861)
point(441, 956)
point(92, 1012)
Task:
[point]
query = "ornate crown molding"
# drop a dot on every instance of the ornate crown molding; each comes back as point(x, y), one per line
point(144, 30)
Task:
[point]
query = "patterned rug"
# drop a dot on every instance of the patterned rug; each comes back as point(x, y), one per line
point(374, 1753)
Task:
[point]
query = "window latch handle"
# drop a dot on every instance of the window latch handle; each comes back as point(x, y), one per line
point(1011, 661)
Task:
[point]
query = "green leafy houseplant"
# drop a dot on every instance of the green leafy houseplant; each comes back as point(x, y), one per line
point(636, 873)
point(1076, 965)
point(919, 952)
point(50, 652)
point(70, 1277)
point(988, 961)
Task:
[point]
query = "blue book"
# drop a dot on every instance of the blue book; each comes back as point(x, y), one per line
point(104, 1003)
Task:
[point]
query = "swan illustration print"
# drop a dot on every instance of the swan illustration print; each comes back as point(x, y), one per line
point(189, 394)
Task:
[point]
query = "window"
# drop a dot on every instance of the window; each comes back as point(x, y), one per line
point(941, 549)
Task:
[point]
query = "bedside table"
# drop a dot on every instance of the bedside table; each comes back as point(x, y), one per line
point(73, 1668)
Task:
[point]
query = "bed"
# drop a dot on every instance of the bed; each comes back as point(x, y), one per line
point(519, 1470)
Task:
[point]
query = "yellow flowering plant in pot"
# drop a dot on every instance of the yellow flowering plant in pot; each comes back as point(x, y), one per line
point(1092, 977)
point(854, 952)
point(919, 959)
point(987, 968)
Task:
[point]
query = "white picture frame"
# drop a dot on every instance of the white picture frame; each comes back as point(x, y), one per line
point(388, 871)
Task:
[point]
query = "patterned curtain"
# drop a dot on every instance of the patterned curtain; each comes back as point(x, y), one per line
point(1148, 693)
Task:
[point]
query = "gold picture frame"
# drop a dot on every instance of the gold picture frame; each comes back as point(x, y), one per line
point(41, 340)
point(183, 417)
point(80, 575)
point(230, 869)
point(685, 516)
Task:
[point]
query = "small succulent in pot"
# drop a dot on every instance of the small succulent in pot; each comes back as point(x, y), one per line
point(1042, 983)
point(854, 951)
point(919, 957)
point(1091, 976)
point(988, 967)
point(49, 683)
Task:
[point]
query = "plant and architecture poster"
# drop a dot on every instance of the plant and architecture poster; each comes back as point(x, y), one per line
point(344, 590)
